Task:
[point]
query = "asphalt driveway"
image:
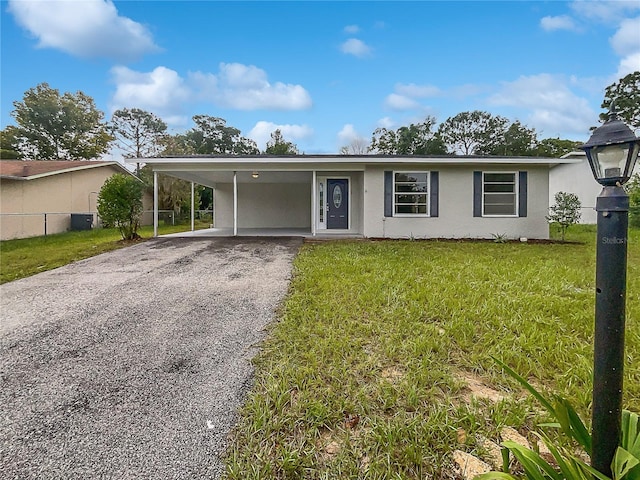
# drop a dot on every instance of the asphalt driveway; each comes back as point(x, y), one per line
point(132, 364)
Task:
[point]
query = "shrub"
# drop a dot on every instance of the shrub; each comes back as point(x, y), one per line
point(565, 212)
point(120, 204)
point(568, 463)
point(633, 189)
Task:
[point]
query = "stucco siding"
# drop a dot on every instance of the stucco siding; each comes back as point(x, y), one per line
point(576, 178)
point(57, 195)
point(455, 217)
point(264, 205)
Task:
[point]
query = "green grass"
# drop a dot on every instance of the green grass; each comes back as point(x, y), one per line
point(361, 375)
point(28, 256)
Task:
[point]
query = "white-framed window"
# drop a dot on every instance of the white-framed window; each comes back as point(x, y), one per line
point(499, 194)
point(410, 194)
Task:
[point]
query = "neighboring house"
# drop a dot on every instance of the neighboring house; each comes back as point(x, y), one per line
point(59, 189)
point(375, 196)
point(576, 177)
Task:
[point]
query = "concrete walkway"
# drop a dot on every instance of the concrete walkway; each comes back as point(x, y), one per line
point(132, 364)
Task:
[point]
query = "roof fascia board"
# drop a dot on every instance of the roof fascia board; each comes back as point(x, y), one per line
point(260, 167)
point(74, 169)
point(319, 162)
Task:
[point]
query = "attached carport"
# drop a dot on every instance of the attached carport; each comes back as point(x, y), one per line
point(265, 195)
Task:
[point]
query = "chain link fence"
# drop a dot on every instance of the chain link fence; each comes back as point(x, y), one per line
point(23, 225)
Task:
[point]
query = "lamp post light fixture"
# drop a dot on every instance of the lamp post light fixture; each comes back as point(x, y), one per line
point(612, 152)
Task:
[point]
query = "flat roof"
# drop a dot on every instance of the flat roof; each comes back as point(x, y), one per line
point(349, 159)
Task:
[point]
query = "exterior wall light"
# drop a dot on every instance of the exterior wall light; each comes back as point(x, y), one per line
point(612, 152)
point(255, 174)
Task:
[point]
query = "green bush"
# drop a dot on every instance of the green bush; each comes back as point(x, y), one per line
point(568, 462)
point(120, 204)
point(633, 188)
point(565, 212)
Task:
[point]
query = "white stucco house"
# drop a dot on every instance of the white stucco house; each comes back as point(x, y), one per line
point(372, 196)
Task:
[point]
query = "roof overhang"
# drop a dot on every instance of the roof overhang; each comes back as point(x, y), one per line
point(117, 165)
point(211, 169)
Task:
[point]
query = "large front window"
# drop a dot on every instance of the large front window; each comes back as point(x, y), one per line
point(499, 194)
point(410, 193)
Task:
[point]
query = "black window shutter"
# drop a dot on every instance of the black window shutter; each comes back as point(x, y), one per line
point(522, 194)
point(433, 194)
point(388, 194)
point(477, 194)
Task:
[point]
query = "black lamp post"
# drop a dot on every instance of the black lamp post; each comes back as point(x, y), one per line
point(612, 151)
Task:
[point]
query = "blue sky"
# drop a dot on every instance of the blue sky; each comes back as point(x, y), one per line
point(325, 72)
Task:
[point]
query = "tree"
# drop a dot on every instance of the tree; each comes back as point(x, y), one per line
point(473, 133)
point(55, 127)
point(279, 146)
point(555, 147)
point(633, 189)
point(211, 135)
point(625, 94)
point(357, 146)
point(178, 144)
point(9, 144)
point(138, 133)
point(565, 211)
point(517, 140)
point(120, 204)
point(173, 193)
point(416, 139)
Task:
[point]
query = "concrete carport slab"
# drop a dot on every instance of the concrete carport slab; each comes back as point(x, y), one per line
point(132, 364)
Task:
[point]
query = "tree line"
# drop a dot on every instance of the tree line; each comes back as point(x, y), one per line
point(69, 126)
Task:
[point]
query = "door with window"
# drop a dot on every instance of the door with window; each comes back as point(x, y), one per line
point(338, 203)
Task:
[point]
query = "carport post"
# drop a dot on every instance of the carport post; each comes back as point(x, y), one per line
point(314, 199)
point(193, 215)
point(155, 204)
point(235, 204)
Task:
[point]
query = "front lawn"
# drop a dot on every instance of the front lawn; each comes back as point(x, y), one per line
point(366, 374)
point(27, 256)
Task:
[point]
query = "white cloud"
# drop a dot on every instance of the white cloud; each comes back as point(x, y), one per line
point(161, 91)
point(261, 132)
point(385, 122)
point(246, 87)
point(88, 28)
point(561, 22)
point(351, 141)
point(355, 47)
point(405, 95)
point(553, 109)
point(164, 92)
point(347, 134)
point(607, 12)
point(626, 41)
point(398, 102)
point(351, 29)
point(629, 64)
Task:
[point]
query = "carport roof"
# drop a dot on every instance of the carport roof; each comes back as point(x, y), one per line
point(210, 169)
